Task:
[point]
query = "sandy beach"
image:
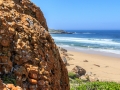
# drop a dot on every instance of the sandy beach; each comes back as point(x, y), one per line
point(106, 68)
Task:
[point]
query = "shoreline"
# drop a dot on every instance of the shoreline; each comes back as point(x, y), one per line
point(90, 51)
point(108, 69)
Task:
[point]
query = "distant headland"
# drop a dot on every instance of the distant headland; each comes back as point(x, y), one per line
point(54, 31)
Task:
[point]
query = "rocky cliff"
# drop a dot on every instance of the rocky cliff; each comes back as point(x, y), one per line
point(29, 58)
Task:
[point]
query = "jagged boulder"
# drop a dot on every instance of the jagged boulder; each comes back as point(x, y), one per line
point(79, 71)
point(28, 53)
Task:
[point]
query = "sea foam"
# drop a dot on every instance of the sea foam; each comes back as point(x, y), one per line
point(87, 40)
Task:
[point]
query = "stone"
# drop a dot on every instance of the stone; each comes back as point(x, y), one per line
point(10, 86)
point(96, 65)
point(106, 66)
point(27, 50)
point(93, 79)
point(32, 81)
point(85, 60)
point(62, 49)
point(33, 74)
point(88, 73)
point(21, 73)
point(5, 42)
point(41, 82)
point(18, 88)
point(64, 60)
point(84, 78)
point(79, 70)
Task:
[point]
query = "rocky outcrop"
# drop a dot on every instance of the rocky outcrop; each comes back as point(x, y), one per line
point(89, 76)
point(79, 71)
point(29, 58)
point(53, 31)
point(65, 56)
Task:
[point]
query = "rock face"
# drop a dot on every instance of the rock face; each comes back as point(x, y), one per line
point(29, 57)
point(79, 71)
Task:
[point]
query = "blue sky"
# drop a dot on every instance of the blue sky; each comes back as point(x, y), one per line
point(81, 14)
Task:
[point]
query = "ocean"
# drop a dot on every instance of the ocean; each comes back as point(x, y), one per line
point(97, 40)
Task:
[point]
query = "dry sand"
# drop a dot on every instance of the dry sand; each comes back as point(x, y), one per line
point(109, 69)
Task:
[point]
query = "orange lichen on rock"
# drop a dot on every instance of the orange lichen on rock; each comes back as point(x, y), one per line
point(27, 50)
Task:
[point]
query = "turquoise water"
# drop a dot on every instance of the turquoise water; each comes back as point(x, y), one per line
point(99, 40)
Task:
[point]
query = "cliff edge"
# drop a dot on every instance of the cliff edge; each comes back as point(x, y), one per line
point(29, 58)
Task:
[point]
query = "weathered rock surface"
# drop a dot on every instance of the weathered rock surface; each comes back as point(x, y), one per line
point(65, 56)
point(79, 71)
point(89, 76)
point(93, 79)
point(28, 53)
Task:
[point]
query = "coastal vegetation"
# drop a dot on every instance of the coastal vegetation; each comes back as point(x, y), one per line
point(9, 79)
point(78, 84)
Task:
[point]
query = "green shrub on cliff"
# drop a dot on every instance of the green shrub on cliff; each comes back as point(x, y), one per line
point(9, 79)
